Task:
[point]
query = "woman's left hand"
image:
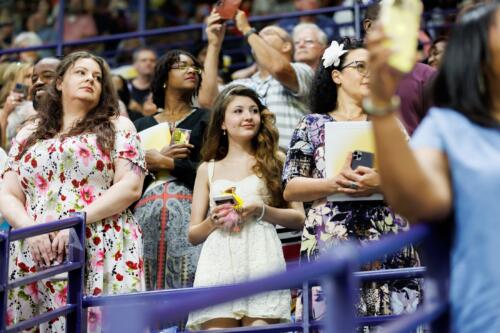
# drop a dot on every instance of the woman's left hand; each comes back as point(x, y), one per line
point(360, 182)
point(251, 210)
point(60, 245)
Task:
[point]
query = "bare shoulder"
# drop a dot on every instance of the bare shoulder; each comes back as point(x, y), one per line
point(202, 169)
point(124, 124)
point(26, 131)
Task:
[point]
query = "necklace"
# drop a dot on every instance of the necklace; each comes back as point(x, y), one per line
point(340, 117)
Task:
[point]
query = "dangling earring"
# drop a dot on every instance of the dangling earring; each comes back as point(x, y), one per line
point(165, 85)
point(224, 132)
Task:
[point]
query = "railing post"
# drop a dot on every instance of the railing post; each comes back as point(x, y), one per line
point(4, 279)
point(339, 293)
point(60, 28)
point(76, 321)
point(436, 256)
point(306, 307)
point(357, 19)
point(142, 19)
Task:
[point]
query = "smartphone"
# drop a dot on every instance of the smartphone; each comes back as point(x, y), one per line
point(223, 199)
point(361, 158)
point(227, 8)
point(21, 89)
point(401, 22)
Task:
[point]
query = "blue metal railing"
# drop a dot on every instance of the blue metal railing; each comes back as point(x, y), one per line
point(338, 280)
point(74, 266)
point(334, 270)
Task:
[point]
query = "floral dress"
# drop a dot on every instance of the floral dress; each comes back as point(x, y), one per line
point(60, 176)
point(330, 223)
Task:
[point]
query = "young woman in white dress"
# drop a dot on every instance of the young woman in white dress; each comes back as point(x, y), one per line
point(241, 152)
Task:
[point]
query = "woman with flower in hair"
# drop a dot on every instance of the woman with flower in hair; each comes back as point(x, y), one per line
point(241, 156)
point(77, 156)
point(339, 86)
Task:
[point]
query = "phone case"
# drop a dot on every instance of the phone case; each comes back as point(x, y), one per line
point(361, 158)
point(227, 8)
point(401, 22)
point(225, 198)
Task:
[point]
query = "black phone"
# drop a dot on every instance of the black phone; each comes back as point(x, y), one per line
point(21, 89)
point(223, 199)
point(361, 158)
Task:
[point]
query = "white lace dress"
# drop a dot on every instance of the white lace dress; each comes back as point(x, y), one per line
point(230, 257)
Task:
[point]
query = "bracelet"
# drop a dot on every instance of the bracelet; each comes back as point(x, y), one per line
point(249, 32)
point(262, 213)
point(372, 110)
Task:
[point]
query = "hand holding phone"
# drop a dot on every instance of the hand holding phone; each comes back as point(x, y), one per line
point(21, 89)
point(227, 8)
point(361, 158)
point(401, 22)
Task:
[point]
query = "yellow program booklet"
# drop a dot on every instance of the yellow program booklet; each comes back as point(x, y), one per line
point(341, 139)
point(156, 137)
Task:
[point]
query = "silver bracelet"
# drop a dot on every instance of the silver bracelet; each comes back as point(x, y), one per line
point(372, 110)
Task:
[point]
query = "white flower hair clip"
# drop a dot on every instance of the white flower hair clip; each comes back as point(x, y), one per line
point(332, 54)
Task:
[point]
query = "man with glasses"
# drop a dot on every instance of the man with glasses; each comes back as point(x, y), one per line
point(309, 43)
point(282, 84)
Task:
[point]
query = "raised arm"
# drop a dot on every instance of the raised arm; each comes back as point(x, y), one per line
point(215, 33)
point(267, 57)
point(415, 183)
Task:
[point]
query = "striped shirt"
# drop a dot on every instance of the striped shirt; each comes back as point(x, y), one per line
point(287, 106)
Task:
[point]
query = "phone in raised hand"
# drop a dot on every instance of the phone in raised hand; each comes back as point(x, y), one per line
point(227, 8)
point(401, 22)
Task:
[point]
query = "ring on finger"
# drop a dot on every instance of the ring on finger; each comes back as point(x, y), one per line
point(353, 186)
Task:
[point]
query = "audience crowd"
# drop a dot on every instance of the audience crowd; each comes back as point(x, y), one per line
point(244, 154)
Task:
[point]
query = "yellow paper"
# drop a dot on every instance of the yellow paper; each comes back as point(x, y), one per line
point(156, 137)
point(401, 21)
point(341, 139)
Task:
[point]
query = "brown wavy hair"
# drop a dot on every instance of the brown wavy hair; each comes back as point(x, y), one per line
point(268, 162)
point(98, 120)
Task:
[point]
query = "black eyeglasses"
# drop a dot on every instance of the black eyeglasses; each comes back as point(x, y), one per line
point(185, 67)
point(359, 65)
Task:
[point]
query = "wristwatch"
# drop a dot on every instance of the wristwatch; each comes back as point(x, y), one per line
point(372, 110)
point(249, 32)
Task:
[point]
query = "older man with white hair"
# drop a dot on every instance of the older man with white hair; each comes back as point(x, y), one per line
point(309, 43)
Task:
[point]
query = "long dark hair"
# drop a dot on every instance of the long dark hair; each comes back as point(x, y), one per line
point(323, 97)
point(98, 120)
point(461, 83)
point(268, 165)
point(160, 77)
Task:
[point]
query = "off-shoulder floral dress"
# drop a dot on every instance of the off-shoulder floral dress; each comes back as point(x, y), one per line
point(60, 176)
point(330, 223)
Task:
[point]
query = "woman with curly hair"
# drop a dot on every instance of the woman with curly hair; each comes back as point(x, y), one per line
point(241, 154)
point(165, 207)
point(77, 156)
point(340, 83)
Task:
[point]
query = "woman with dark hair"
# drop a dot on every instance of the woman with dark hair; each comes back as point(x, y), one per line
point(340, 83)
point(77, 156)
point(165, 207)
point(241, 154)
point(452, 170)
